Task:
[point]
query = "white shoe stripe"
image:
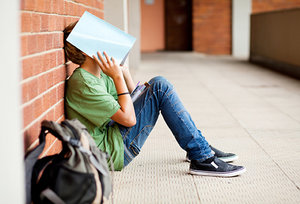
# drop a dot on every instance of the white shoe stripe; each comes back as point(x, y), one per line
point(214, 164)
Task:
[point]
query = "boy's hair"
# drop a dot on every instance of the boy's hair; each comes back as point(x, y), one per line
point(72, 53)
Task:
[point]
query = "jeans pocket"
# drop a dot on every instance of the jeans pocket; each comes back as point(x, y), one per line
point(135, 150)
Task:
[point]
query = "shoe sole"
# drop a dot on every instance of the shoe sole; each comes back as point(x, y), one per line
point(218, 174)
point(224, 159)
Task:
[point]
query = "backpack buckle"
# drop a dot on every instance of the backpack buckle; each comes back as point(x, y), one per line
point(74, 142)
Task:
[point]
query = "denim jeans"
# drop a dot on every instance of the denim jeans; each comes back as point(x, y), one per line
point(161, 97)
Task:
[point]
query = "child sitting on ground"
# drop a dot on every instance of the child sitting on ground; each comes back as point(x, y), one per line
point(99, 91)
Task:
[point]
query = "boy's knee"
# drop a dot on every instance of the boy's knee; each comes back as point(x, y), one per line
point(160, 81)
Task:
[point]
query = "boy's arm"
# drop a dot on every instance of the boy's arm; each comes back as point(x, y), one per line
point(125, 115)
point(128, 79)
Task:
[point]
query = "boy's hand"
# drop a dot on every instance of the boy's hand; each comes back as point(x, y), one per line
point(109, 67)
point(125, 69)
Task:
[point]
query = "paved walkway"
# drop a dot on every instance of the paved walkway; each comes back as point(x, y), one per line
point(239, 107)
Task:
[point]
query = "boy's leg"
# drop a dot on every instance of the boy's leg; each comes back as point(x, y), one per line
point(160, 96)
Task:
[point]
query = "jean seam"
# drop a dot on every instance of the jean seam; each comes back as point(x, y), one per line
point(206, 155)
point(129, 129)
point(140, 134)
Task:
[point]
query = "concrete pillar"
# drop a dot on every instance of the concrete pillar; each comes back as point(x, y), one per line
point(116, 13)
point(134, 29)
point(241, 10)
point(125, 14)
point(11, 141)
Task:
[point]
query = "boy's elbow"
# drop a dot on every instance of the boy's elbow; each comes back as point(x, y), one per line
point(132, 122)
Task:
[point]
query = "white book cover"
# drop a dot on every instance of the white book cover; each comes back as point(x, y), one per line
point(92, 34)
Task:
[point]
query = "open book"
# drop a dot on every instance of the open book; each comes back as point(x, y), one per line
point(92, 34)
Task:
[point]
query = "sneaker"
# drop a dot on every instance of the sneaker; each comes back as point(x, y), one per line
point(216, 167)
point(226, 157)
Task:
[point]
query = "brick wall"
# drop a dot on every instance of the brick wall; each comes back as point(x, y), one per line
point(212, 26)
point(271, 5)
point(44, 69)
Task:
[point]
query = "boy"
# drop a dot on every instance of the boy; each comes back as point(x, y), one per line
point(99, 91)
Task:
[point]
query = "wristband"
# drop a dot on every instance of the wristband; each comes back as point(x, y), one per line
point(123, 93)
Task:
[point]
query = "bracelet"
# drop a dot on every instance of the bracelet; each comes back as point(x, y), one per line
point(123, 93)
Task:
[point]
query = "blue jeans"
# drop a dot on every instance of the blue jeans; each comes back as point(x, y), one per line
point(161, 96)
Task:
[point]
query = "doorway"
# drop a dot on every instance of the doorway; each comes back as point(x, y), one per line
point(178, 25)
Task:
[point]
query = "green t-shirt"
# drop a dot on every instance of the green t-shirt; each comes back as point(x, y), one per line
point(93, 101)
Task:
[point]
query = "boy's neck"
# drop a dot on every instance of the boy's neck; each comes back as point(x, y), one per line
point(91, 66)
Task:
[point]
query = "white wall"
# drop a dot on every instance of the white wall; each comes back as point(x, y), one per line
point(125, 14)
point(116, 13)
point(241, 10)
point(134, 29)
point(11, 140)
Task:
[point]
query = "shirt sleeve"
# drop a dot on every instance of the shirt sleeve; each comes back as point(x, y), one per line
point(96, 104)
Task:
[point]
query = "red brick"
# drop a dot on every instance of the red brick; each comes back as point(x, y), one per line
point(48, 41)
point(25, 22)
point(271, 5)
point(54, 6)
point(32, 44)
point(22, 4)
point(44, 22)
point(99, 5)
point(59, 75)
point(42, 83)
point(46, 103)
point(24, 45)
point(32, 88)
point(41, 44)
point(212, 26)
point(58, 40)
point(29, 5)
point(56, 148)
point(60, 7)
point(59, 110)
point(48, 6)
point(80, 10)
point(52, 23)
point(38, 107)
point(27, 115)
point(60, 91)
point(60, 23)
point(60, 58)
point(28, 67)
point(35, 22)
point(24, 93)
point(52, 59)
point(53, 97)
point(31, 134)
point(50, 81)
point(50, 114)
point(40, 5)
point(68, 8)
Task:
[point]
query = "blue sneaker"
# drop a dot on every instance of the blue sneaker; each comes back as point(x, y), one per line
point(215, 167)
point(226, 157)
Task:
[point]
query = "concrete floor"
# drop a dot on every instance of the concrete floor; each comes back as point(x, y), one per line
point(239, 107)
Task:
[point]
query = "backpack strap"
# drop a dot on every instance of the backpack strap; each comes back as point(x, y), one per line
point(31, 157)
point(30, 160)
point(52, 196)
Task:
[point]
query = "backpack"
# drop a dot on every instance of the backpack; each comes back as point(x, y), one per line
point(78, 174)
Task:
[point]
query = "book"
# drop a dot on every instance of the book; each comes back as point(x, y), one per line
point(92, 34)
point(138, 91)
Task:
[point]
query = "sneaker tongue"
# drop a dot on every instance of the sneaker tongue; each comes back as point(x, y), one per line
point(209, 160)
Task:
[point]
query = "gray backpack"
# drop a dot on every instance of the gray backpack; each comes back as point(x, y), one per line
point(78, 174)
